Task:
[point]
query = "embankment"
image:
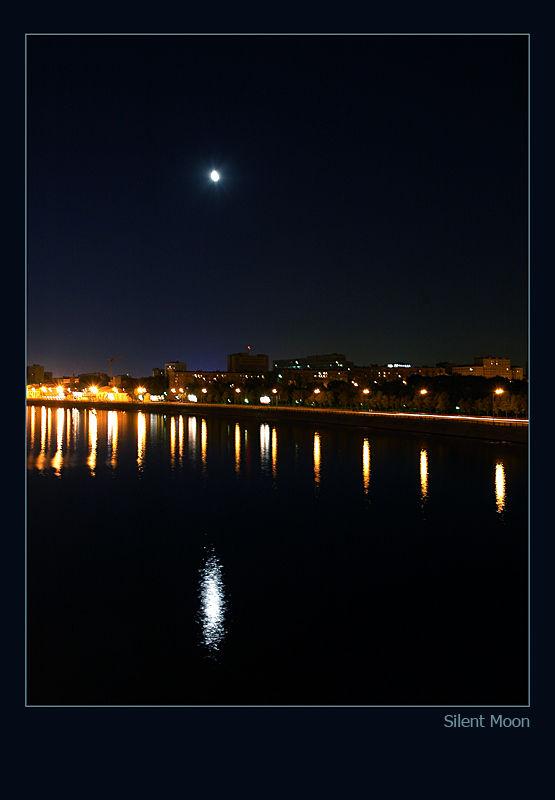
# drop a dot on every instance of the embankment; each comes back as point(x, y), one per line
point(502, 430)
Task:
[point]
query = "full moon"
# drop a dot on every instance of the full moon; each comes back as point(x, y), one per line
point(214, 175)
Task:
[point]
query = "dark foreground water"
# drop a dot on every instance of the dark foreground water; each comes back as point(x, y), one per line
point(189, 560)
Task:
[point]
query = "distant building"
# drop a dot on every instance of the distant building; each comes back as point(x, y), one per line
point(322, 368)
point(490, 367)
point(69, 382)
point(174, 366)
point(382, 373)
point(324, 376)
point(124, 382)
point(35, 374)
point(336, 367)
point(430, 372)
point(180, 382)
point(320, 363)
point(247, 363)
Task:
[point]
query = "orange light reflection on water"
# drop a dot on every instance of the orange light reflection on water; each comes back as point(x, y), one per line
point(113, 437)
point(57, 459)
point(317, 459)
point(264, 444)
point(141, 439)
point(192, 437)
point(203, 442)
point(274, 452)
point(366, 465)
point(423, 474)
point(237, 448)
point(500, 486)
point(93, 440)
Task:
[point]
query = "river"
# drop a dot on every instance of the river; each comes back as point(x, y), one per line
point(193, 560)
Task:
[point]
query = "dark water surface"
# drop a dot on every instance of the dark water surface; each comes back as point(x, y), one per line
point(190, 560)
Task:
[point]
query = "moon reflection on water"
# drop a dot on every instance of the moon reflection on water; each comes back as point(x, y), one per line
point(212, 599)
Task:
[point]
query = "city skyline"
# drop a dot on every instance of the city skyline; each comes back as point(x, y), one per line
point(186, 366)
point(372, 198)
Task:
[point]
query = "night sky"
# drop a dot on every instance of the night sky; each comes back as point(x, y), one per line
point(373, 199)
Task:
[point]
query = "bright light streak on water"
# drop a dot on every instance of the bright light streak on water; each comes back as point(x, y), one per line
point(32, 427)
point(47, 430)
point(237, 448)
point(43, 429)
point(93, 440)
point(176, 439)
point(203, 442)
point(317, 458)
point(41, 456)
point(212, 601)
point(181, 437)
point(42, 426)
point(274, 452)
point(141, 438)
point(264, 445)
point(366, 465)
point(113, 436)
point(423, 474)
point(75, 417)
point(500, 486)
point(57, 460)
point(173, 444)
point(192, 438)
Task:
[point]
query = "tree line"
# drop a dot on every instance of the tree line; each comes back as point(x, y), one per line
point(443, 394)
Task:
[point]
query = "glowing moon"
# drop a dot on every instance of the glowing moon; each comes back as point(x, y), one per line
point(214, 175)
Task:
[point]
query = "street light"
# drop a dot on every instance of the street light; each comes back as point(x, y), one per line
point(497, 392)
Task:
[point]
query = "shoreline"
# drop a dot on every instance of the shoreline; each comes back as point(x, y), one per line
point(499, 430)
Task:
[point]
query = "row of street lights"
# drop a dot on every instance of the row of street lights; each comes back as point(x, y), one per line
point(140, 391)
